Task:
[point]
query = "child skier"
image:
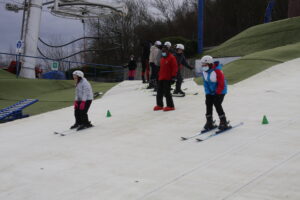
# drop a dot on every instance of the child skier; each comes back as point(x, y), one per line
point(215, 89)
point(83, 100)
point(131, 68)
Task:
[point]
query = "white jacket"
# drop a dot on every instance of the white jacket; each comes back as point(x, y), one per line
point(155, 55)
point(84, 91)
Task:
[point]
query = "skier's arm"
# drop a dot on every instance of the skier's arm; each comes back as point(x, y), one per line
point(184, 62)
point(220, 81)
point(174, 66)
point(76, 94)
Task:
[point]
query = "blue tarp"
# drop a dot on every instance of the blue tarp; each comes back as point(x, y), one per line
point(57, 75)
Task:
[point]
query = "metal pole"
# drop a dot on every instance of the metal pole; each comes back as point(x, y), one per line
point(31, 38)
point(23, 20)
point(200, 25)
point(18, 65)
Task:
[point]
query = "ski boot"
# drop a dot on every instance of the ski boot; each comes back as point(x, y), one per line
point(156, 108)
point(76, 125)
point(178, 93)
point(210, 124)
point(84, 126)
point(166, 109)
point(181, 93)
point(224, 124)
point(151, 85)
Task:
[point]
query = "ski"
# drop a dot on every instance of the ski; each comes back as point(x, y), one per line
point(62, 132)
point(219, 132)
point(201, 132)
point(74, 131)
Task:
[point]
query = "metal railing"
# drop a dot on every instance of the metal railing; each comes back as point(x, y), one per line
point(93, 71)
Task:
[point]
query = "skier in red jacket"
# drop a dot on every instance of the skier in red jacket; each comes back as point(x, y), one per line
point(166, 77)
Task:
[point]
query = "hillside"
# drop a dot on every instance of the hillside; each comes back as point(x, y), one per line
point(260, 47)
point(52, 94)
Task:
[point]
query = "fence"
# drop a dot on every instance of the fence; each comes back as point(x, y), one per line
point(93, 71)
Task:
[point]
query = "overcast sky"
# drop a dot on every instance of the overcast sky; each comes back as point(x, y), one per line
point(51, 27)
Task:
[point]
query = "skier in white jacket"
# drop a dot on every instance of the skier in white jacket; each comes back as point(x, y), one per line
point(83, 100)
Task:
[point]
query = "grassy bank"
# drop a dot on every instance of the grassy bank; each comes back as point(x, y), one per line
point(52, 94)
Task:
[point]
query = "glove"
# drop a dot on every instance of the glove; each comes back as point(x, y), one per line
point(173, 80)
point(75, 105)
point(82, 105)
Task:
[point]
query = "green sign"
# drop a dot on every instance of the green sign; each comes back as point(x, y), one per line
point(54, 66)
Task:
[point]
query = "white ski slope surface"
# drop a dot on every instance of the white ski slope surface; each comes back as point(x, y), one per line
point(137, 153)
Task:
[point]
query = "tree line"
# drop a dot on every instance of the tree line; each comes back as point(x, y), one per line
point(121, 36)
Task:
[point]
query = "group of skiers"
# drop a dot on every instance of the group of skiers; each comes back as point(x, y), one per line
point(169, 72)
point(166, 67)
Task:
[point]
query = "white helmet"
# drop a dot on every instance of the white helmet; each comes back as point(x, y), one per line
point(157, 43)
point(168, 44)
point(180, 46)
point(207, 59)
point(78, 73)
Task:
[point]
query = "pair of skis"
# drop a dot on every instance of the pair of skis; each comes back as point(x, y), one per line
point(204, 131)
point(70, 131)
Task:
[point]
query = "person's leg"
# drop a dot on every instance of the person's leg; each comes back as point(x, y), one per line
point(77, 117)
point(133, 74)
point(209, 101)
point(144, 70)
point(159, 95)
point(147, 71)
point(218, 100)
point(209, 112)
point(155, 80)
point(130, 74)
point(152, 77)
point(167, 93)
point(85, 119)
point(218, 105)
point(178, 82)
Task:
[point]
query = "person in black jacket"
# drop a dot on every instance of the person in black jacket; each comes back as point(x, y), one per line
point(181, 61)
point(131, 68)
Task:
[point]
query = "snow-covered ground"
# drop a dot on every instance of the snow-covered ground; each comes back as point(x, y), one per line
point(137, 153)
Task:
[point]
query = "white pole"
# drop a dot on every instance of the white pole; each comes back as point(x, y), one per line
point(31, 38)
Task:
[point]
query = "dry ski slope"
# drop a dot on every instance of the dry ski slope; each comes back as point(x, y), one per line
point(137, 153)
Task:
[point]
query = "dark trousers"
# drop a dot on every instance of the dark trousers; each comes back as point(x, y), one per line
point(145, 70)
point(164, 89)
point(214, 100)
point(81, 116)
point(179, 81)
point(154, 74)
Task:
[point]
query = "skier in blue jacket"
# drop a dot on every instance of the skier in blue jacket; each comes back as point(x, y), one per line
point(215, 90)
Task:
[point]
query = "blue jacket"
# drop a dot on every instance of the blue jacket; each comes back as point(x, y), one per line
point(214, 80)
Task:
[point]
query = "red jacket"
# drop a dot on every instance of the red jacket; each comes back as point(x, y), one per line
point(168, 68)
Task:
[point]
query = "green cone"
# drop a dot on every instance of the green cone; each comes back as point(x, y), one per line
point(108, 114)
point(265, 120)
